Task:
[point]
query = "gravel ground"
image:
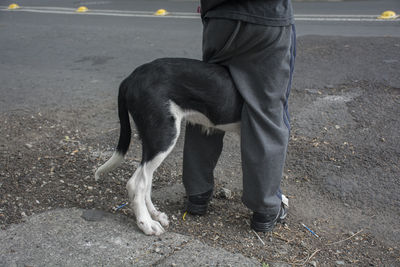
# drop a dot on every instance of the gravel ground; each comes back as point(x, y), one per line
point(342, 177)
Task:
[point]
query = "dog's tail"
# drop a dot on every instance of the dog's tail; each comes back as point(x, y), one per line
point(124, 135)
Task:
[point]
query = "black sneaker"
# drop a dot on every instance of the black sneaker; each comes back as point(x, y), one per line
point(261, 222)
point(197, 204)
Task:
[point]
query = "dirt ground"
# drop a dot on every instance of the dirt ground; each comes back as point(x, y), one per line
point(341, 176)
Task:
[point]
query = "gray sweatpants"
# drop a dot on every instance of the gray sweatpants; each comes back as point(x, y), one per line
point(261, 60)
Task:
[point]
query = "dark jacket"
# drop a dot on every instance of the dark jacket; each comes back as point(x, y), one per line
point(265, 12)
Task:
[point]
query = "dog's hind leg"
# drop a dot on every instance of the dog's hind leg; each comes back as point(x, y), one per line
point(152, 165)
point(149, 219)
point(150, 168)
point(136, 187)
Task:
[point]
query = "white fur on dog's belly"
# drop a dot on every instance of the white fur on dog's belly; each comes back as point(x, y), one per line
point(196, 117)
point(199, 118)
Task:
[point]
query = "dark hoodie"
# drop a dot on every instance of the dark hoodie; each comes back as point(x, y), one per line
point(265, 12)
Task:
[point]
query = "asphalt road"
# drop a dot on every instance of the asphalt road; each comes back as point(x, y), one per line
point(63, 58)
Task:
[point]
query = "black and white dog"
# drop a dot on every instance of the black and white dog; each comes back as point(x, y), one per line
point(158, 95)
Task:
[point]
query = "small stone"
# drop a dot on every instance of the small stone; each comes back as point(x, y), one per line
point(313, 263)
point(29, 145)
point(90, 187)
point(339, 262)
point(225, 193)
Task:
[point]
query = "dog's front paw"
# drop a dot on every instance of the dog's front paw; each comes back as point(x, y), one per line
point(150, 227)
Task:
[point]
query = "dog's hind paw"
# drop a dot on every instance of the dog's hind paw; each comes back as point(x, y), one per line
point(163, 219)
point(151, 227)
point(96, 176)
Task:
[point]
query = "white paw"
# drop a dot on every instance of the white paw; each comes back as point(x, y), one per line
point(163, 219)
point(96, 176)
point(150, 227)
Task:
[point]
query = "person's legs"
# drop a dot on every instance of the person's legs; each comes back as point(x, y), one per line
point(260, 60)
point(200, 156)
point(263, 75)
point(202, 150)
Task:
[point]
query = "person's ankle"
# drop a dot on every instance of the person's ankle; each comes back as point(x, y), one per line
point(265, 222)
point(198, 204)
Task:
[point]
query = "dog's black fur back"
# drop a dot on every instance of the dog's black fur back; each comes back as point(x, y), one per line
point(191, 84)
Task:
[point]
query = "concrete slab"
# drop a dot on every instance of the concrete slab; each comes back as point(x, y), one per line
point(75, 237)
